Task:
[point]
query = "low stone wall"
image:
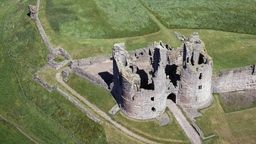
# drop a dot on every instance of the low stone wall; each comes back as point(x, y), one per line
point(82, 73)
point(77, 104)
point(243, 78)
point(57, 65)
point(43, 83)
point(63, 52)
point(53, 52)
point(199, 131)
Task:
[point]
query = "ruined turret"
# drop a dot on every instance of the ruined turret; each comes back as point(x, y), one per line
point(141, 93)
point(196, 75)
point(32, 11)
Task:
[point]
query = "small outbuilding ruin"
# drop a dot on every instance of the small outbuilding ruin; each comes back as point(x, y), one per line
point(32, 11)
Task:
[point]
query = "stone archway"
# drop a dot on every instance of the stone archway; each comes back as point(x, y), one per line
point(172, 97)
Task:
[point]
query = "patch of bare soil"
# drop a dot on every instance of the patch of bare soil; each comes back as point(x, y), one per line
point(238, 100)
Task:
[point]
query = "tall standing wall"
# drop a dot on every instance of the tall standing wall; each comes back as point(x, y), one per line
point(236, 79)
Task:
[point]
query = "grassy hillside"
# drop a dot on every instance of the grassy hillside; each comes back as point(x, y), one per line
point(233, 15)
point(10, 134)
point(46, 117)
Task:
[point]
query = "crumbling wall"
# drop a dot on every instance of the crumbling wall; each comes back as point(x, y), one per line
point(80, 72)
point(243, 78)
point(54, 54)
point(41, 81)
point(32, 11)
point(90, 60)
point(80, 106)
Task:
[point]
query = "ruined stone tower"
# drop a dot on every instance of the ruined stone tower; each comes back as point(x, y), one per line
point(196, 75)
point(145, 79)
point(140, 93)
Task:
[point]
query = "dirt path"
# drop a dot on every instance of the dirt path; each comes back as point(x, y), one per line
point(15, 125)
point(189, 130)
point(101, 113)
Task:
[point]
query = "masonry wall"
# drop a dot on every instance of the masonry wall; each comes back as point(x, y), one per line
point(195, 87)
point(134, 101)
point(196, 75)
point(236, 79)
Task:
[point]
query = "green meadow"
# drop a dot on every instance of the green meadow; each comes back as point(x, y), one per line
point(222, 46)
point(90, 28)
point(233, 15)
point(47, 117)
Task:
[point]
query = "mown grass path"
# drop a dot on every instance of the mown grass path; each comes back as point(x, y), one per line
point(163, 29)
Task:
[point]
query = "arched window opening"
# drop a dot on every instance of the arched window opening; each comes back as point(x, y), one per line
point(172, 97)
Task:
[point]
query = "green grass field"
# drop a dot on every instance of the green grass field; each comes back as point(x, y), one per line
point(234, 127)
point(46, 117)
point(93, 93)
point(170, 133)
point(235, 16)
point(99, 18)
point(7, 132)
point(90, 28)
point(222, 46)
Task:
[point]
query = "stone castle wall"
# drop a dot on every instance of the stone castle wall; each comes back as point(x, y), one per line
point(235, 79)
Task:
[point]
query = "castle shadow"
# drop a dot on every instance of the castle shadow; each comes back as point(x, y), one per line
point(107, 77)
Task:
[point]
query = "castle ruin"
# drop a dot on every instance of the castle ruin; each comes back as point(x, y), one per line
point(143, 81)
